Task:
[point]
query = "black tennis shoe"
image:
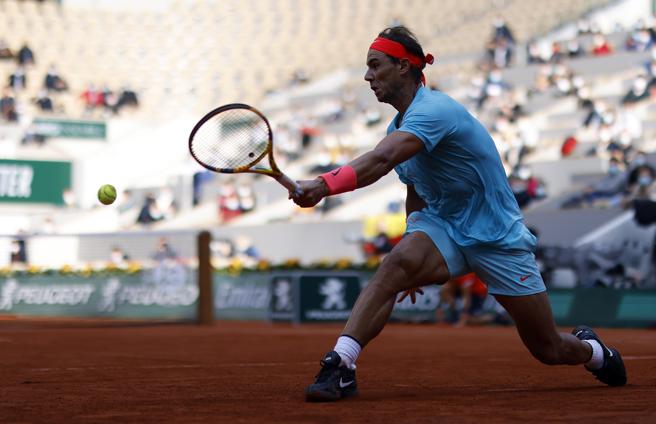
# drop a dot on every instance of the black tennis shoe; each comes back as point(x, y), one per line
point(612, 372)
point(333, 382)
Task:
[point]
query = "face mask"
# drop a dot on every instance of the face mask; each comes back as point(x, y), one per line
point(639, 161)
point(644, 180)
point(613, 170)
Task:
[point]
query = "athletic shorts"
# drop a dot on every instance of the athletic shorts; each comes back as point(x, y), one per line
point(508, 271)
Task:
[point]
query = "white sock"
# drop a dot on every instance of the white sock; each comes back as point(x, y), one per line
point(348, 349)
point(597, 359)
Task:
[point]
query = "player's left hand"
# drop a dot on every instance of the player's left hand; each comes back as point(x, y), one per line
point(312, 191)
point(412, 293)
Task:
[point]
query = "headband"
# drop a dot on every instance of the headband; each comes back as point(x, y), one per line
point(397, 50)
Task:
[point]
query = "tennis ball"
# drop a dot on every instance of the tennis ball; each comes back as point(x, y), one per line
point(107, 194)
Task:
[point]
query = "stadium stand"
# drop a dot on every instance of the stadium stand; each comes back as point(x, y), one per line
point(302, 63)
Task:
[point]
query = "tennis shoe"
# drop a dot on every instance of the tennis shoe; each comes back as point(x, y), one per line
point(333, 382)
point(612, 372)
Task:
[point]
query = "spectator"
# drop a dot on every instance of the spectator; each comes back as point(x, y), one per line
point(164, 251)
point(601, 46)
point(43, 101)
point(229, 207)
point(635, 168)
point(574, 48)
point(609, 191)
point(149, 212)
point(118, 257)
point(18, 250)
point(18, 79)
point(462, 300)
point(638, 92)
point(246, 198)
point(245, 248)
point(92, 98)
point(128, 97)
point(8, 106)
point(502, 31)
point(5, 51)
point(25, 56)
point(53, 82)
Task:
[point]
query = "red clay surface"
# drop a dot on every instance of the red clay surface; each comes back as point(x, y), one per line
point(256, 372)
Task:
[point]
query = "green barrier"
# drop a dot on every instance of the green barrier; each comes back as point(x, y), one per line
point(604, 307)
point(125, 296)
point(244, 297)
point(324, 296)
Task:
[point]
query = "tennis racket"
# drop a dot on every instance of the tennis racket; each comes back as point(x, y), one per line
point(235, 138)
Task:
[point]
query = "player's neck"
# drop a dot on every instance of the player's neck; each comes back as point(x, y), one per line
point(404, 98)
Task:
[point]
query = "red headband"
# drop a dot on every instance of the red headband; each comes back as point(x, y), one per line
point(395, 49)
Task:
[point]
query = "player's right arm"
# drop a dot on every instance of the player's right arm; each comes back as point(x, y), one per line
point(364, 170)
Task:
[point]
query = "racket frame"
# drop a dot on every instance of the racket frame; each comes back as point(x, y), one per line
point(274, 171)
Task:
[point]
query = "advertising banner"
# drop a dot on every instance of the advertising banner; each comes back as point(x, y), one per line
point(28, 181)
point(125, 296)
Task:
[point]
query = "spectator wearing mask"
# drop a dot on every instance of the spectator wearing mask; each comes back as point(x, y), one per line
point(638, 92)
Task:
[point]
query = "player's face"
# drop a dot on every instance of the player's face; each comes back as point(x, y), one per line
point(382, 75)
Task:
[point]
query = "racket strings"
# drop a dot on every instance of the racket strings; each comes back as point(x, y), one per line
point(231, 139)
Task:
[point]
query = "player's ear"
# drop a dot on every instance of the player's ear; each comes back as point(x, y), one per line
point(404, 66)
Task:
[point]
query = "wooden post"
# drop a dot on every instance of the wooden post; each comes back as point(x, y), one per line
point(205, 298)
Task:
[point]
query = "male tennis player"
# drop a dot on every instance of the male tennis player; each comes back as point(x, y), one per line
point(461, 217)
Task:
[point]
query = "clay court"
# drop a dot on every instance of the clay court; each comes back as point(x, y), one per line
point(55, 371)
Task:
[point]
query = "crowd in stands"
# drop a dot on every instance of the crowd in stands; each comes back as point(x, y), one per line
point(157, 207)
point(46, 96)
point(235, 200)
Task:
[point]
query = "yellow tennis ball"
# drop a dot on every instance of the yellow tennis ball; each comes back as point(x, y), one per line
point(107, 194)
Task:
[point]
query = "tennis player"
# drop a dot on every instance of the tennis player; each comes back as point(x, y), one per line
point(461, 217)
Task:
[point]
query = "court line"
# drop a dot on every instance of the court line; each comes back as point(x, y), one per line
point(638, 358)
point(181, 366)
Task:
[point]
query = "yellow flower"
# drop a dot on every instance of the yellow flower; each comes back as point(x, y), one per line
point(263, 265)
point(33, 269)
point(343, 263)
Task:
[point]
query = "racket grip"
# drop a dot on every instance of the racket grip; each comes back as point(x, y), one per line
point(290, 184)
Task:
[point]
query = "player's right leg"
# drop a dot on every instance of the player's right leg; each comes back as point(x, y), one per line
point(414, 262)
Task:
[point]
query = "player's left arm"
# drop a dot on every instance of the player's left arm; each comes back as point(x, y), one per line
point(395, 148)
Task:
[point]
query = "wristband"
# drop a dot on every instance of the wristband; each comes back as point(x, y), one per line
point(340, 180)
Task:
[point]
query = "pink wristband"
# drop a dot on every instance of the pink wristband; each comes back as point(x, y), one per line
point(340, 180)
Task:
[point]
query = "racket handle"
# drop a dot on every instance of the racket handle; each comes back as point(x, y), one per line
point(289, 184)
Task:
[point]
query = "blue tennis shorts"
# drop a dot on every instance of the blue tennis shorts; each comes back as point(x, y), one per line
point(508, 271)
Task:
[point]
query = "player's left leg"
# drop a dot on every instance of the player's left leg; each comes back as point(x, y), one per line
point(536, 327)
point(513, 278)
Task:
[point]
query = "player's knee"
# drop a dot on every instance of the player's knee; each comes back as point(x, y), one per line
point(402, 262)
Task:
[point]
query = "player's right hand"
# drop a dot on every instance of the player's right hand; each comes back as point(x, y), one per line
point(312, 191)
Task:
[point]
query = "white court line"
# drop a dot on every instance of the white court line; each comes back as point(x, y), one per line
point(638, 358)
point(182, 366)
